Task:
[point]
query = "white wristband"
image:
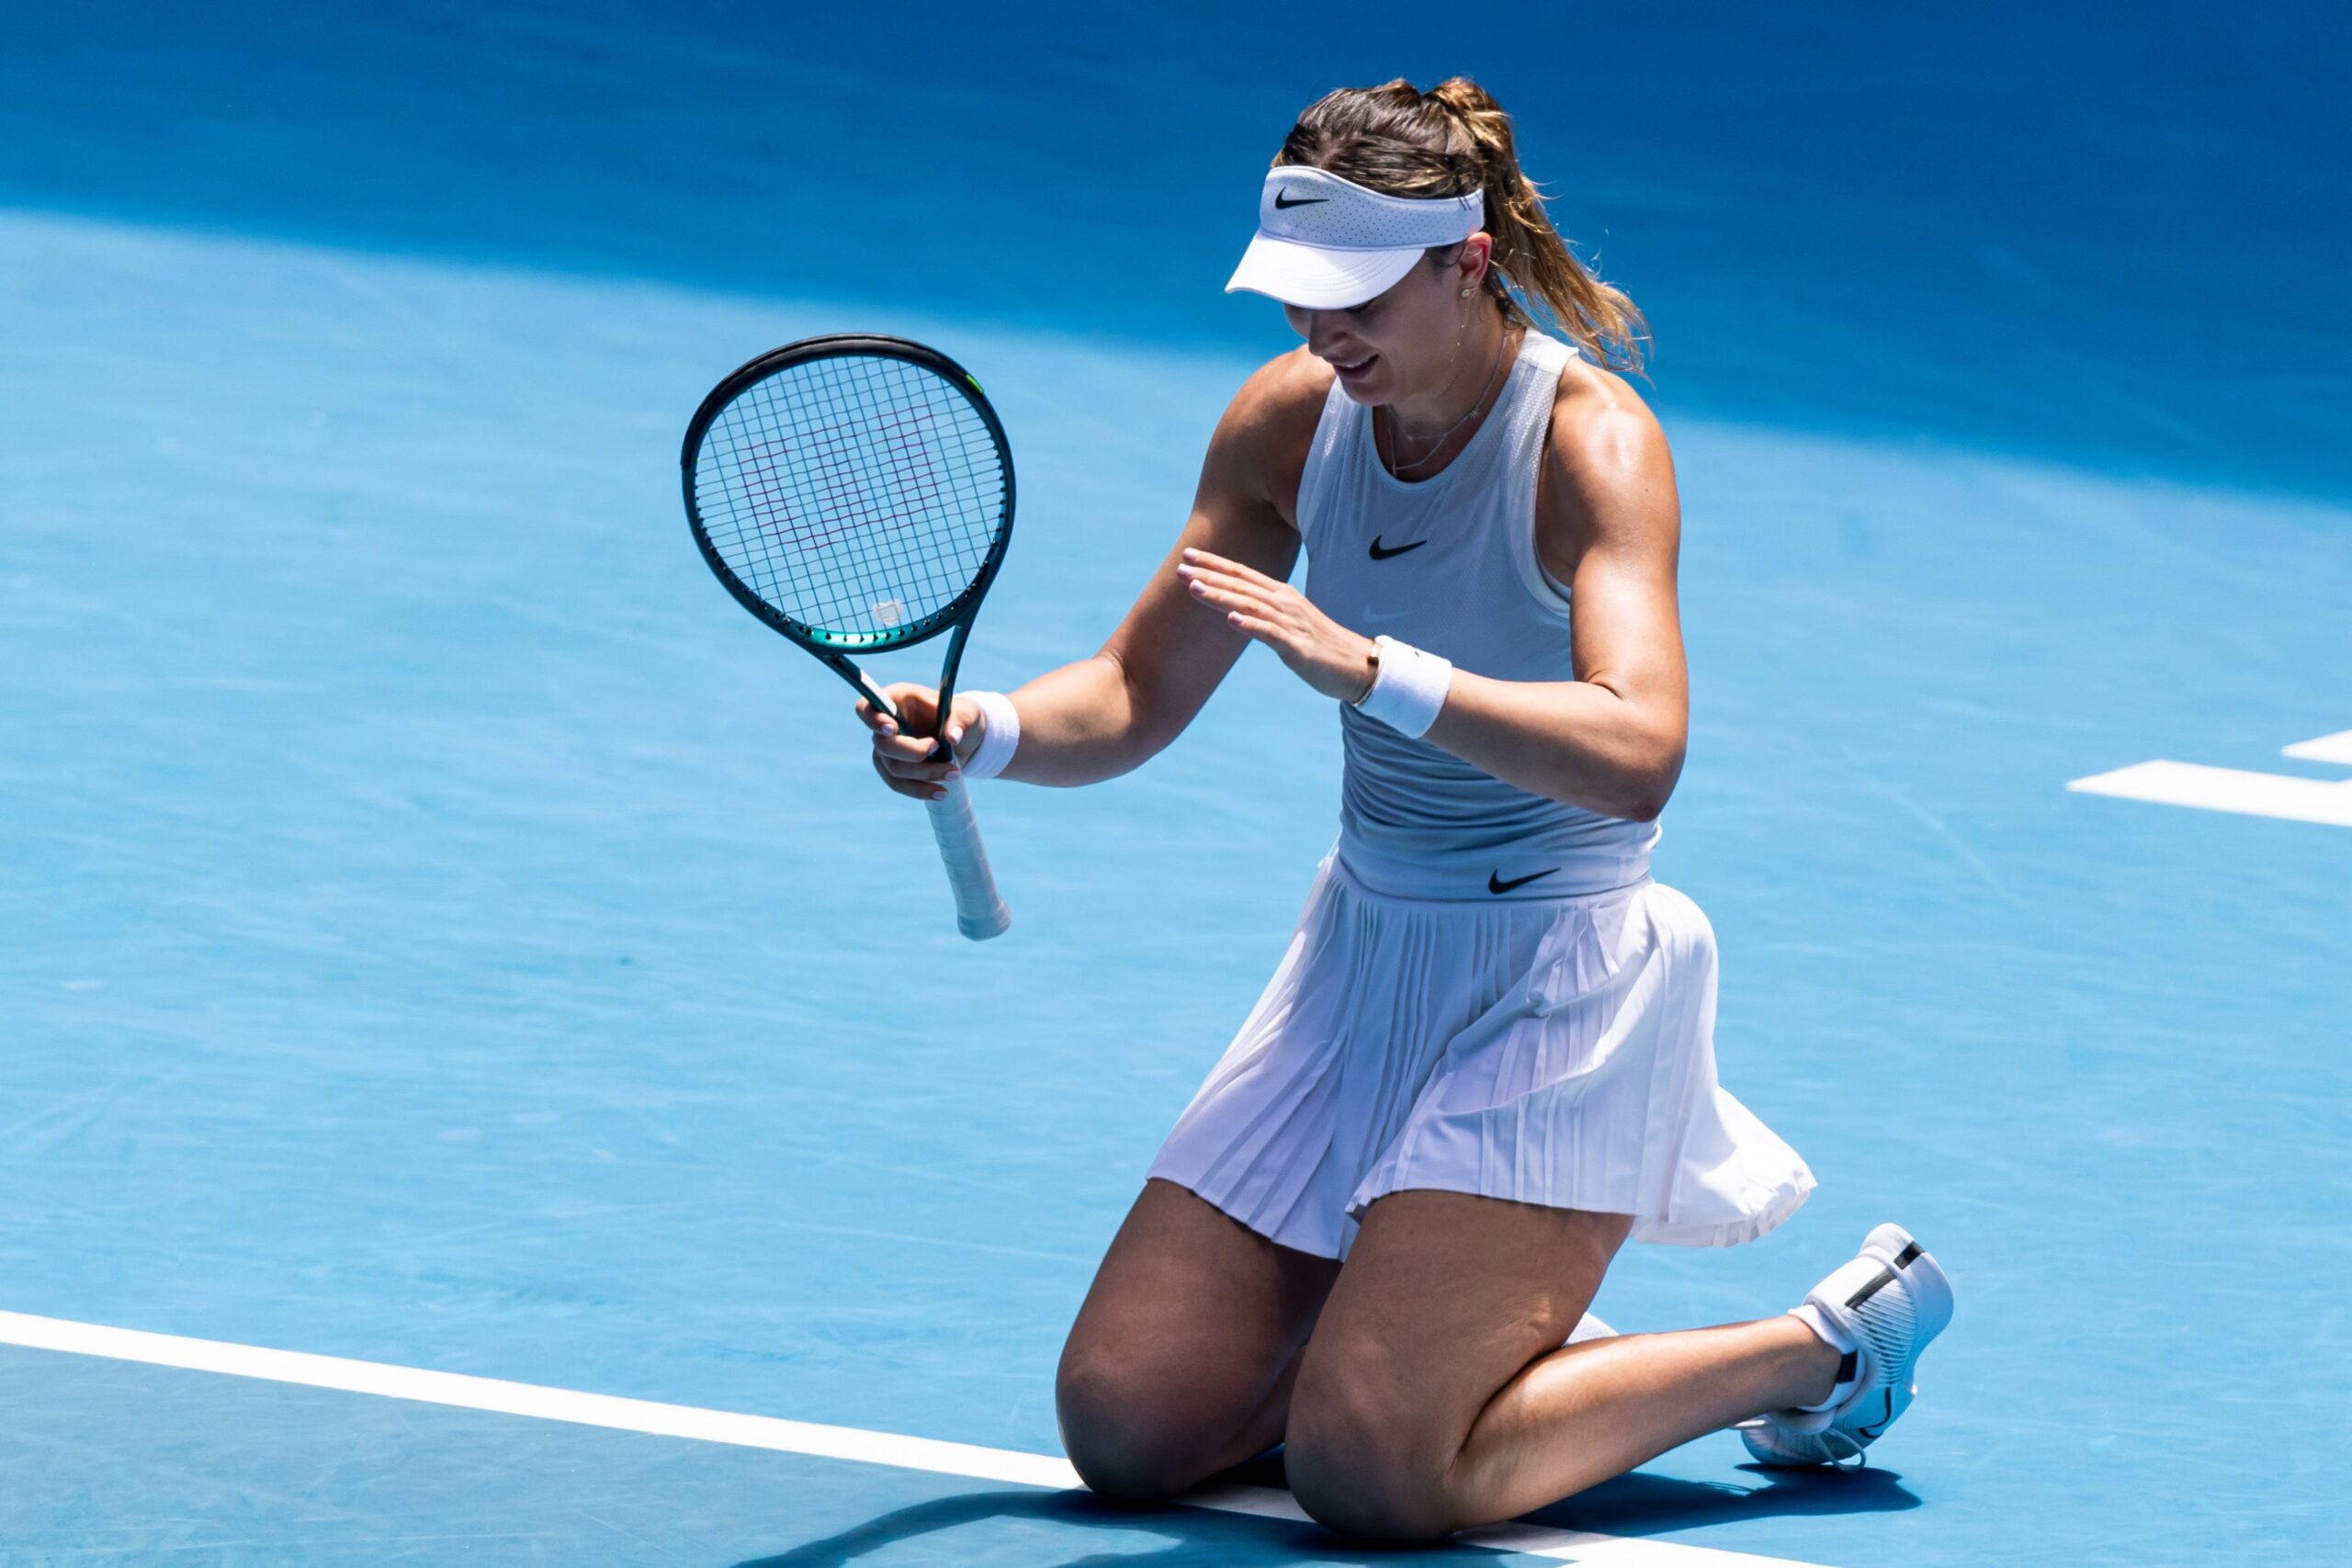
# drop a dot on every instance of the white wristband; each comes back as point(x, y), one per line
point(1409, 688)
point(999, 733)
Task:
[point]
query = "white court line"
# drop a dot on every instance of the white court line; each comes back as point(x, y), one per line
point(464, 1392)
point(2335, 748)
point(2237, 790)
point(2229, 789)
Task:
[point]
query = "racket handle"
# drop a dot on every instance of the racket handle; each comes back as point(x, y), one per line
point(980, 911)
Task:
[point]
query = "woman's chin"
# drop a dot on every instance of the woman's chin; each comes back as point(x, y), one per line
point(1363, 385)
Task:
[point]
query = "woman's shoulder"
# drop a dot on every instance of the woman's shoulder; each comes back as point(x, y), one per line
point(1606, 465)
point(1284, 396)
point(1600, 423)
point(1264, 439)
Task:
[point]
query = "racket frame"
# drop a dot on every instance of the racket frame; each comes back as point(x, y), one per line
point(954, 617)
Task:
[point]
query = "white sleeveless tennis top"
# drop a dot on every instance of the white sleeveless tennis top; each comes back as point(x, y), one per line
point(1449, 564)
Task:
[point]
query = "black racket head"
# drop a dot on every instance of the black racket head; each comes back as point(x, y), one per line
point(854, 492)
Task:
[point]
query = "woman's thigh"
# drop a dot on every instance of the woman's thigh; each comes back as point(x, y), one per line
point(1445, 1298)
point(1182, 1357)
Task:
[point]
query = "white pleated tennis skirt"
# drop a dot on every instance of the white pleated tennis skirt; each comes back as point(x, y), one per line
point(1553, 1051)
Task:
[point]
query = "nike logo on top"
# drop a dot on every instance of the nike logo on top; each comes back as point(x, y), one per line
point(1283, 199)
point(1495, 883)
point(1380, 554)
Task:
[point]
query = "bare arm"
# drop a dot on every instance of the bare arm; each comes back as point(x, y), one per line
point(1106, 715)
point(1611, 739)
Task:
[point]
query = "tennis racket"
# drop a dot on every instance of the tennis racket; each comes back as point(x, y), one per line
point(855, 493)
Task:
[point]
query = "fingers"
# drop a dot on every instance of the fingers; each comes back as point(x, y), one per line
point(1249, 617)
point(965, 724)
point(1253, 621)
point(1199, 564)
point(911, 773)
point(916, 781)
point(915, 704)
point(903, 747)
point(915, 707)
point(1229, 585)
point(1230, 567)
point(1247, 609)
point(1212, 590)
point(1321, 651)
point(907, 748)
point(1218, 586)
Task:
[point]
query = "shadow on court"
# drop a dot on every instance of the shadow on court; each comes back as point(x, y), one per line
point(1633, 1504)
point(1187, 1535)
point(1643, 1503)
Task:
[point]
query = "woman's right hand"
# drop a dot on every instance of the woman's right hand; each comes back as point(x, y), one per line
point(902, 747)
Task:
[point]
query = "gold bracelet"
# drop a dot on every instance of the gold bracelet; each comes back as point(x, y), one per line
point(1372, 662)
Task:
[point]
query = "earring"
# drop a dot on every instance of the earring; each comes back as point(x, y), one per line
point(1467, 292)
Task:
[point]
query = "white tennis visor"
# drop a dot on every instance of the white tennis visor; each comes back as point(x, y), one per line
point(1325, 243)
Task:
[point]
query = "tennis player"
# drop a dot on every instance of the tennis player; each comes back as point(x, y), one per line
point(1486, 1059)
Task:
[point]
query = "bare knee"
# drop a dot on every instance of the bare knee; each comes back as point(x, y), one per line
point(1364, 1469)
point(1123, 1435)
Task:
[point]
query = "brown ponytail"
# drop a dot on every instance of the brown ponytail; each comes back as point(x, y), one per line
point(1454, 138)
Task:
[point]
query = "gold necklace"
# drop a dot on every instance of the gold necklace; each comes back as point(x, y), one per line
point(1396, 434)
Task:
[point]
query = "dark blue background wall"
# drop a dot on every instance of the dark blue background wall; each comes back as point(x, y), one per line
point(2106, 233)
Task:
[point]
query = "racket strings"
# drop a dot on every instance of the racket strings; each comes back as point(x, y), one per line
point(854, 494)
point(846, 494)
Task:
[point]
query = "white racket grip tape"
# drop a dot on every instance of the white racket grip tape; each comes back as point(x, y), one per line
point(979, 910)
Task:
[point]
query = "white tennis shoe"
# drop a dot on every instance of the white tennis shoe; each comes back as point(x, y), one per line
point(1892, 1299)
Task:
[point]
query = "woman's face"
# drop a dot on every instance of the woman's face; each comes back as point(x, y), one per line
point(1405, 341)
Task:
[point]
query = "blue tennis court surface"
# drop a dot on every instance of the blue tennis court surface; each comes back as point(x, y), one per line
point(442, 933)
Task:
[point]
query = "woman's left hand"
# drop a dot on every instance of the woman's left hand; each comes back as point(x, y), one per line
point(1324, 654)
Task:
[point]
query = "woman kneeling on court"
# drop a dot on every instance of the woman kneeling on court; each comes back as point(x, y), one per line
point(1486, 1059)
